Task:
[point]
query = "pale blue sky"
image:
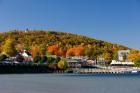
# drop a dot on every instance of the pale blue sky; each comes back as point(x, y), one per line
point(117, 21)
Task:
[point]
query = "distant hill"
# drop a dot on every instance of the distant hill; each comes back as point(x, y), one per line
point(52, 37)
point(48, 38)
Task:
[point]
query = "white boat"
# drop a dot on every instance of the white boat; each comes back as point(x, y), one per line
point(134, 71)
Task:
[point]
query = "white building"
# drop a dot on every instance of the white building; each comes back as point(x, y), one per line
point(118, 63)
point(123, 55)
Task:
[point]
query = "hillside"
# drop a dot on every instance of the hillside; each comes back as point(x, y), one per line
point(45, 39)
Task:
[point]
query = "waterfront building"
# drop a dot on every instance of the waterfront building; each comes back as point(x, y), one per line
point(123, 55)
point(119, 63)
point(72, 63)
point(122, 59)
point(27, 56)
point(79, 58)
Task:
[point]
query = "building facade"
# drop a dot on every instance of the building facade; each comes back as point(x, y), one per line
point(123, 55)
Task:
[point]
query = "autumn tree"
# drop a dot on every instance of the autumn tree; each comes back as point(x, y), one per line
point(93, 52)
point(9, 47)
point(43, 49)
point(107, 56)
point(89, 53)
point(62, 64)
point(53, 49)
point(70, 52)
point(76, 51)
point(133, 55)
point(79, 51)
point(61, 52)
point(20, 47)
point(35, 50)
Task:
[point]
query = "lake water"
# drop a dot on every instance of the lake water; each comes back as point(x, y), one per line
point(53, 83)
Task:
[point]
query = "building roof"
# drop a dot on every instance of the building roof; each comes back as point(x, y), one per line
point(114, 62)
point(71, 60)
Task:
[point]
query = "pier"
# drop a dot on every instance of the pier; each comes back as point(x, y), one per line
point(105, 70)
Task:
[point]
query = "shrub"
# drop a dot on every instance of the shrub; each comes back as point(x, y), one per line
point(62, 64)
point(51, 60)
point(43, 59)
point(3, 57)
point(37, 58)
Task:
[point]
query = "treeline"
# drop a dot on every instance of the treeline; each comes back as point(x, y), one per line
point(57, 43)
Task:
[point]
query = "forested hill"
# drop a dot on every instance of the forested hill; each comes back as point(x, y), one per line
point(29, 38)
point(66, 41)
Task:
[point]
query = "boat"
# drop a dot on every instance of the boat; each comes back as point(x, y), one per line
point(134, 71)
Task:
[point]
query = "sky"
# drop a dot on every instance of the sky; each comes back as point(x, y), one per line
point(116, 21)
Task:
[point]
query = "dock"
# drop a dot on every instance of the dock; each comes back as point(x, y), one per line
point(105, 70)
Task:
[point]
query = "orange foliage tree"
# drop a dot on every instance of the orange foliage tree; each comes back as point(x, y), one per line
point(53, 49)
point(79, 51)
point(76, 51)
point(35, 50)
point(61, 52)
point(70, 52)
point(56, 50)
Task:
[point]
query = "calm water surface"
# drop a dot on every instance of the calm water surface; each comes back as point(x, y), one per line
point(53, 83)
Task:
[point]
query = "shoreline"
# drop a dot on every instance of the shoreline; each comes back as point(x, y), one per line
point(44, 69)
